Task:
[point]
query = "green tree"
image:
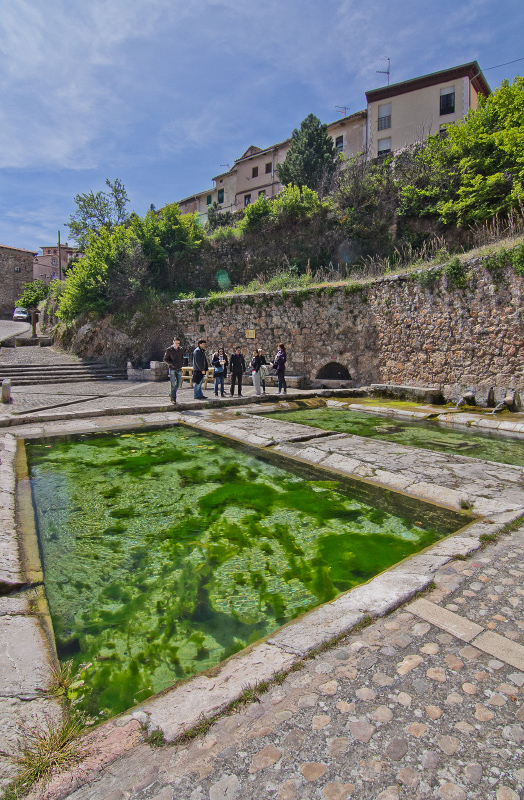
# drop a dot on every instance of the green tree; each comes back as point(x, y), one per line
point(33, 294)
point(477, 171)
point(96, 211)
point(169, 240)
point(123, 264)
point(310, 160)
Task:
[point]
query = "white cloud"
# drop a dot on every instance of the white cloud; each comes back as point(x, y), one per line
point(65, 75)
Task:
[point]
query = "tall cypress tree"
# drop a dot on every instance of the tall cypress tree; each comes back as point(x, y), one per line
point(311, 158)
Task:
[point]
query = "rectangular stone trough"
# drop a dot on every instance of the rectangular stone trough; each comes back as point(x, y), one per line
point(26, 665)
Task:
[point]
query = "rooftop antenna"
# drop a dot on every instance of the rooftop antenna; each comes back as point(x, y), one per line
point(225, 165)
point(343, 110)
point(385, 71)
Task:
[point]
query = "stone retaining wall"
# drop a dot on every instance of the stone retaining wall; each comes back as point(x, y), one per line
point(393, 330)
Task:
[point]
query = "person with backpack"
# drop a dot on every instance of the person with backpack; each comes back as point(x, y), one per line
point(280, 365)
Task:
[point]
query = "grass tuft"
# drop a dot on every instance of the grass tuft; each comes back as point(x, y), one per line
point(155, 738)
point(45, 749)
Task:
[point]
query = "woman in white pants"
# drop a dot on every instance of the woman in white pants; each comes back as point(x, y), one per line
point(255, 371)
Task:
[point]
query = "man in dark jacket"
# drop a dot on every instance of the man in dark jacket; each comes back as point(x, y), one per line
point(237, 367)
point(174, 358)
point(200, 367)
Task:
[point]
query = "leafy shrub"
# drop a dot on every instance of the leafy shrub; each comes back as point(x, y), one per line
point(226, 234)
point(428, 277)
point(32, 294)
point(456, 274)
point(517, 260)
point(353, 288)
point(255, 214)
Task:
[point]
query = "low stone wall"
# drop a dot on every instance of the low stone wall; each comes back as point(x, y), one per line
point(157, 371)
point(396, 330)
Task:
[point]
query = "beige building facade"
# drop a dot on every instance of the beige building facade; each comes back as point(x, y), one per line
point(405, 113)
point(396, 116)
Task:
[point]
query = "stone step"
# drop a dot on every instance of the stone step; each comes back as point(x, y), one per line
point(60, 366)
point(77, 379)
point(24, 375)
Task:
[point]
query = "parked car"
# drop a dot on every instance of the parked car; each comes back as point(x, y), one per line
point(21, 315)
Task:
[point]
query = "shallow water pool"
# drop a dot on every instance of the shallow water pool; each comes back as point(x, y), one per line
point(164, 552)
point(429, 435)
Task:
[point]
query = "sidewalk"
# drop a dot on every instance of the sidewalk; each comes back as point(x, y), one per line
point(401, 709)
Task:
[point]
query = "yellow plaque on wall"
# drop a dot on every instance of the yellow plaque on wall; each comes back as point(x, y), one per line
point(250, 334)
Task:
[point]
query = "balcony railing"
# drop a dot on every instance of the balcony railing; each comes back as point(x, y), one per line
point(384, 122)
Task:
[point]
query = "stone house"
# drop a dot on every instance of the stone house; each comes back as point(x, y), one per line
point(45, 266)
point(395, 117)
point(16, 268)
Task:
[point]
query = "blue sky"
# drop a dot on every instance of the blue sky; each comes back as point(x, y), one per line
point(162, 93)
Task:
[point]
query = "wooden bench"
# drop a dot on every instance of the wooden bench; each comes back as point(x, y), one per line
point(187, 375)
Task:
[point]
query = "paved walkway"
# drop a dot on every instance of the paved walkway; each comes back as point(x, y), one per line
point(404, 708)
point(9, 328)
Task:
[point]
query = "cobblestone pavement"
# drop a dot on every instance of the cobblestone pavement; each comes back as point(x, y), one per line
point(400, 709)
point(107, 394)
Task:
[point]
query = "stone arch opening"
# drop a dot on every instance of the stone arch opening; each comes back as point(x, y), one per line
point(333, 371)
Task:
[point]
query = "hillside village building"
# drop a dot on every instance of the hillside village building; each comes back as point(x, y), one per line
point(16, 268)
point(396, 116)
point(45, 266)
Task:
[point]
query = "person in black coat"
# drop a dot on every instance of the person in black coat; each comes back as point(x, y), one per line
point(237, 367)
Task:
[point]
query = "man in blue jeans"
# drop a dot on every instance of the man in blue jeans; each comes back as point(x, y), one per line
point(174, 358)
point(200, 367)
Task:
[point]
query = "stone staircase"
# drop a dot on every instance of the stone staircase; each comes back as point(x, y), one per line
point(31, 374)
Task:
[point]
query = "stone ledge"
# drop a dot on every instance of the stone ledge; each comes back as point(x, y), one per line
point(181, 707)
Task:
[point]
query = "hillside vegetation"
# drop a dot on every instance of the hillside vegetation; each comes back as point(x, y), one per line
point(431, 200)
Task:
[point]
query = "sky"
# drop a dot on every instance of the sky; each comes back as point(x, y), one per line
point(162, 94)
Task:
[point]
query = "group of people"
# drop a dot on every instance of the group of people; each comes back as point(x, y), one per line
point(235, 365)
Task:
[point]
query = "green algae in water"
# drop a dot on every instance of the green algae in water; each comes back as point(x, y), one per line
point(429, 435)
point(165, 552)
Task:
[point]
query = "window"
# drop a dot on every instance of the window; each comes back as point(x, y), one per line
point(268, 167)
point(220, 195)
point(254, 172)
point(384, 147)
point(443, 132)
point(447, 100)
point(384, 117)
point(54, 251)
point(53, 262)
point(208, 200)
point(247, 199)
point(262, 193)
point(339, 143)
